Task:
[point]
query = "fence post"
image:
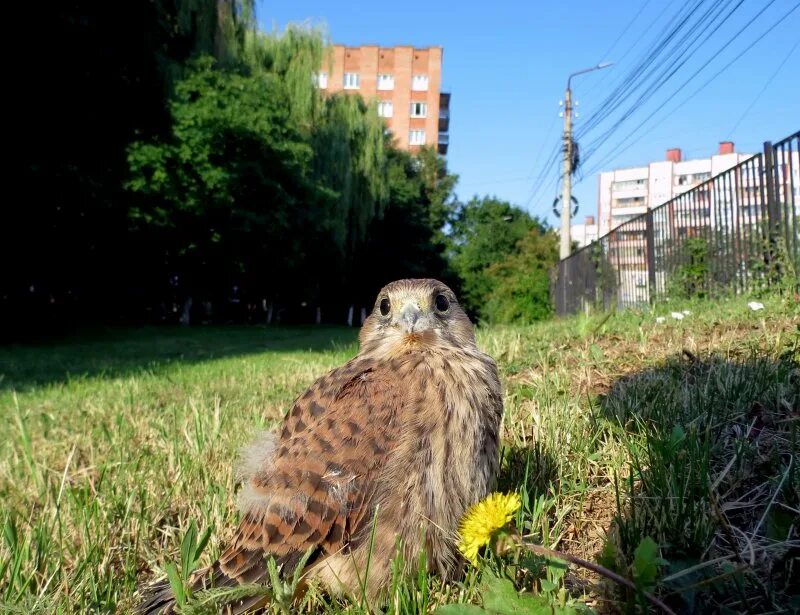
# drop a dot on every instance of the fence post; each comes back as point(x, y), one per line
point(650, 247)
point(773, 211)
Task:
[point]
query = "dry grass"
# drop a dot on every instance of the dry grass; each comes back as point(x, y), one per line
point(615, 429)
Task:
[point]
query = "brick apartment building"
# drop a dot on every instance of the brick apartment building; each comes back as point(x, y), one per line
point(404, 81)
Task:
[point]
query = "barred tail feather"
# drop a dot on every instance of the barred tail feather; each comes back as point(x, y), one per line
point(158, 598)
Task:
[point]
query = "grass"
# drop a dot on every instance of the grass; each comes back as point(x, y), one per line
point(617, 429)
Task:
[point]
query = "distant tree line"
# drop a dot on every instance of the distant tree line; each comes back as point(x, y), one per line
point(176, 164)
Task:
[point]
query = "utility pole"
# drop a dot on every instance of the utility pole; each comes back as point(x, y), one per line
point(566, 186)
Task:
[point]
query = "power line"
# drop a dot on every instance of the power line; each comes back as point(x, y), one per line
point(631, 81)
point(685, 47)
point(546, 139)
point(605, 54)
point(669, 42)
point(678, 21)
point(507, 180)
point(617, 151)
point(666, 76)
point(550, 164)
point(644, 32)
point(764, 89)
point(673, 26)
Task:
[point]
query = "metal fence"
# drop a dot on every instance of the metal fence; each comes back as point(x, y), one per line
point(735, 232)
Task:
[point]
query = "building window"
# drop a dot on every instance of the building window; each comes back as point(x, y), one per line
point(701, 177)
point(351, 81)
point(636, 201)
point(385, 82)
point(628, 184)
point(320, 80)
point(419, 109)
point(385, 108)
point(416, 137)
point(419, 83)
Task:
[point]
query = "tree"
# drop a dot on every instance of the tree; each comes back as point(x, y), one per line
point(184, 142)
point(405, 239)
point(485, 231)
point(438, 186)
point(230, 192)
point(110, 71)
point(521, 282)
point(264, 179)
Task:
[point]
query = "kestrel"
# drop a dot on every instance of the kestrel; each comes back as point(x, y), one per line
point(402, 439)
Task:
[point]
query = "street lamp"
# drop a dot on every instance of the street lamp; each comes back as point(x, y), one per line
point(566, 189)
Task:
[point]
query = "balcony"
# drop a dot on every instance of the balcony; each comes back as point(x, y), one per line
point(444, 120)
point(444, 111)
point(444, 142)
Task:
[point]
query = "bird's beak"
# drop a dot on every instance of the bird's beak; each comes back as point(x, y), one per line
point(409, 317)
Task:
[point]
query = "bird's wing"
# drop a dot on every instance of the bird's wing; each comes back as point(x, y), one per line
point(318, 490)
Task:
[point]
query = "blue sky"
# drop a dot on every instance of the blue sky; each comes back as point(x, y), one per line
point(506, 65)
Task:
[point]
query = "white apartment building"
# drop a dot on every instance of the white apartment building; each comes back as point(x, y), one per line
point(584, 234)
point(626, 193)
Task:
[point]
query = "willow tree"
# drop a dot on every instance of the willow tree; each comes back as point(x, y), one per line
point(114, 66)
point(294, 56)
point(263, 178)
point(346, 133)
point(351, 158)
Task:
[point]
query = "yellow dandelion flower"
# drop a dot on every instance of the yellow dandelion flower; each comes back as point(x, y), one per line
point(482, 521)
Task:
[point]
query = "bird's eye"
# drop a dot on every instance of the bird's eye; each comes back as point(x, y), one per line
point(385, 307)
point(442, 303)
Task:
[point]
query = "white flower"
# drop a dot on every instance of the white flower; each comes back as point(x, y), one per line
point(677, 315)
point(755, 306)
point(660, 319)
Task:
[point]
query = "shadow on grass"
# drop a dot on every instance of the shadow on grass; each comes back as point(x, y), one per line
point(115, 352)
point(713, 479)
point(528, 469)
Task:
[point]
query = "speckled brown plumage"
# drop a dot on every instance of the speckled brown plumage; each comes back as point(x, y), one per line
point(404, 435)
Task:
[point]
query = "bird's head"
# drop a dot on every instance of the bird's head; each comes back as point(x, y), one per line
point(411, 314)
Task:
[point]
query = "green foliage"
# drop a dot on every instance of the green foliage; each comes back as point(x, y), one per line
point(521, 282)
point(500, 597)
point(265, 179)
point(502, 256)
point(485, 231)
point(230, 189)
point(775, 269)
point(351, 159)
point(191, 549)
point(405, 240)
point(116, 66)
point(203, 150)
point(646, 563)
point(293, 56)
point(691, 277)
point(438, 187)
